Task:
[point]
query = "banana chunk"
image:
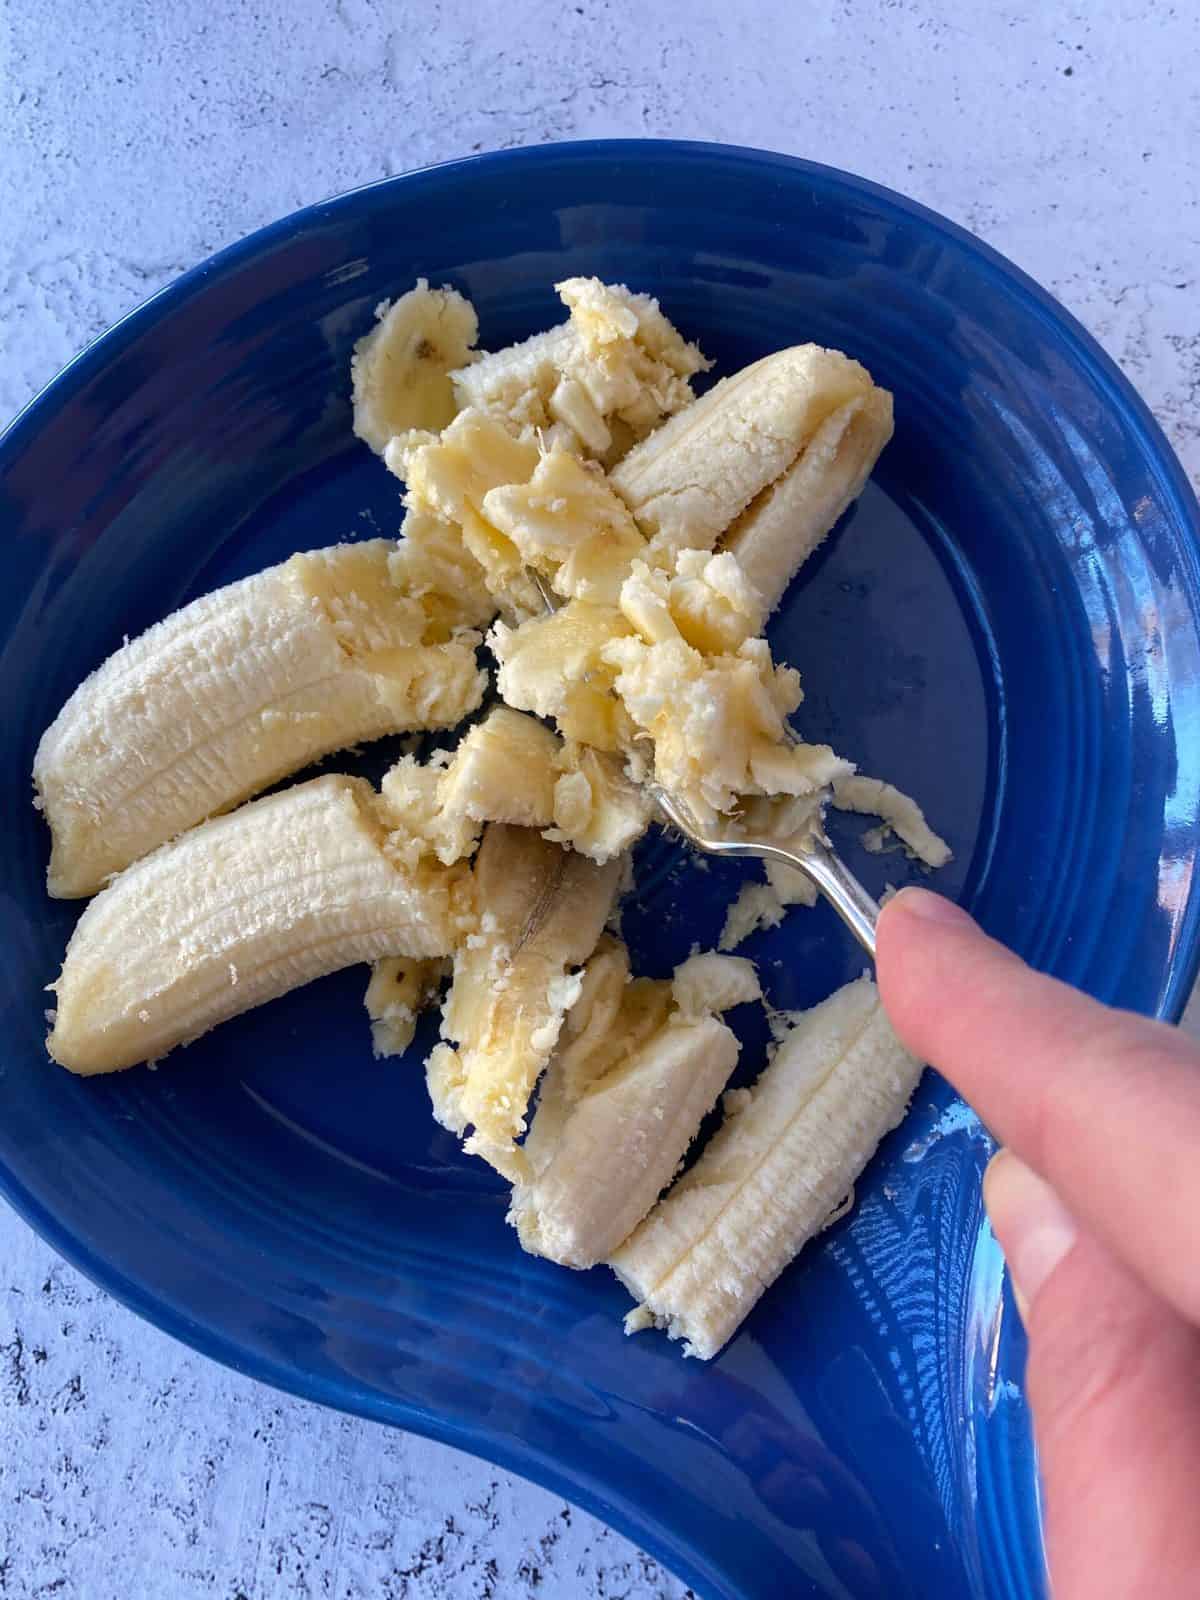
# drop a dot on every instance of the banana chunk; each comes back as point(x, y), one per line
point(411, 798)
point(447, 477)
point(717, 723)
point(672, 677)
point(788, 820)
point(400, 371)
point(785, 523)
point(708, 982)
point(556, 666)
point(541, 911)
point(504, 770)
point(433, 566)
point(567, 523)
point(598, 810)
point(640, 1065)
point(773, 1175)
point(399, 990)
point(901, 815)
point(692, 477)
point(232, 693)
point(238, 911)
point(512, 768)
point(450, 473)
point(757, 906)
point(597, 382)
point(515, 384)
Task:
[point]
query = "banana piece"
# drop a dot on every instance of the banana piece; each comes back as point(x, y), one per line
point(712, 602)
point(901, 815)
point(640, 1065)
point(617, 352)
point(512, 768)
point(764, 905)
point(596, 382)
point(788, 820)
point(541, 911)
point(411, 799)
point(400, 370)
point(786, 522)
point(448, 475)
point(567, 523)
point(232, 693)
point(708, 982)
point(504, 770)
point(516, 383)
point(635, 366)
point(757, 906)
point(237, 911)
point(555, 666)
point(708, 695)
point(688, 481)
point(598, 810)
point(629, 679)
point(400, 989)
point(717, 722)
point(773, 1175)
point(433, 566)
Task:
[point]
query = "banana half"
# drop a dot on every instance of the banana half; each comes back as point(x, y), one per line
point(775, 1173)
point(640, 1064)
point(238, 911)
point(541, 910)
point(239, 689)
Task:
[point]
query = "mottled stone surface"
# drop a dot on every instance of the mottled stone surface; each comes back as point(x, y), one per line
point(134, 140)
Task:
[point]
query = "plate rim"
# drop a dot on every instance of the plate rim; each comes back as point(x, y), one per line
point(1119, 394)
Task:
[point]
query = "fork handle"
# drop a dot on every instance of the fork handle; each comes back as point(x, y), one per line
point(832, 877)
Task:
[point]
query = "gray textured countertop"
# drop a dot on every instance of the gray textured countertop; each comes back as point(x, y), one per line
point(134, 140)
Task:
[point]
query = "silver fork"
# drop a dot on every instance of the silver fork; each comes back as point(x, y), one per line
point(820, 864)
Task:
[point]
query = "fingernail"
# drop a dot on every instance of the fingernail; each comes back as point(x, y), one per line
point(933, 908)
point(1033, 1226)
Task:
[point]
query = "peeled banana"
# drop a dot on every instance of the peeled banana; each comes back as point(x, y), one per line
point(232, 693)
point(786, 522)
point(640, 1065)
point(773, 1175)
point(541, 910)
point(400, 371)
point(239, 910)
point(687, 482)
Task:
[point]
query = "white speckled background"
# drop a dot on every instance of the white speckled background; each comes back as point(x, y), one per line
point(134, 140)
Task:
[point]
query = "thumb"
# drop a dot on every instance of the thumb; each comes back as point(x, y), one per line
point(1113, 1378)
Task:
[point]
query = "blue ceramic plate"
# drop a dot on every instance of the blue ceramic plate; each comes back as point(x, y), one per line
point(1005, 626)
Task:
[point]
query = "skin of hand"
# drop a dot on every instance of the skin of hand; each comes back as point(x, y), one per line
point(1095, 1199)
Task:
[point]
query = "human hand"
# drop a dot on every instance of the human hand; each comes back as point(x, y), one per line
point(1095, 1200)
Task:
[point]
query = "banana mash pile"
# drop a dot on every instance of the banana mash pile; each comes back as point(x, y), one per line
point(667, 527)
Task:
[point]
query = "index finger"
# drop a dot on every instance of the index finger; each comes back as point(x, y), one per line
point(1103, 1104)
